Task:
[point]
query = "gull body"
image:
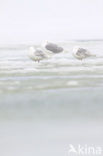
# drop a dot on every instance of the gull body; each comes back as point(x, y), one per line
point(36, 54)
point(81, 53)
point(51, 48)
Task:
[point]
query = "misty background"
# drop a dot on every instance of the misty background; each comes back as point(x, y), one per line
point(27, 21)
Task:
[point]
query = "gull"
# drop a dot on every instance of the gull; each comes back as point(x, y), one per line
point(52, 48)
point(81, 53)
point(37, 54)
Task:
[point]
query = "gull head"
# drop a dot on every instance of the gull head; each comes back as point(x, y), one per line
point(31, 49)
point(31, 52)
point(75, 49)
point(44, 43)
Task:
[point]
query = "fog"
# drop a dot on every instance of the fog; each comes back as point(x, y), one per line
point(26, 21)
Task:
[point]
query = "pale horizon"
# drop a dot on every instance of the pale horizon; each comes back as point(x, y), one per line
point(33, 21)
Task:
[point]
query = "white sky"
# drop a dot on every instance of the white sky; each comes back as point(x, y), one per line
point(23, 21)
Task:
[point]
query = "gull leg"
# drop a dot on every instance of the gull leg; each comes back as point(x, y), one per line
point(82, 63)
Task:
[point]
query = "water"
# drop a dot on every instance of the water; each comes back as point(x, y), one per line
point(46, 106)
